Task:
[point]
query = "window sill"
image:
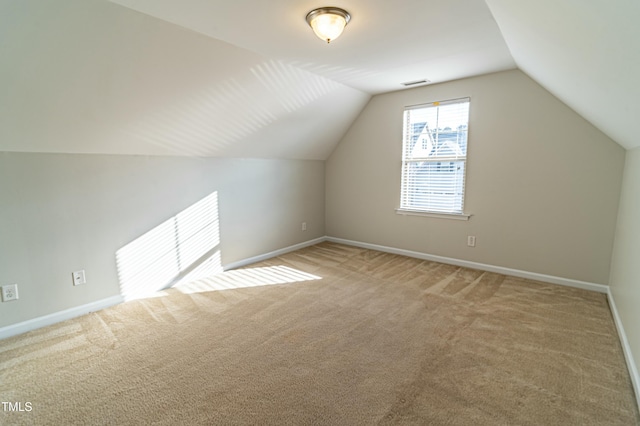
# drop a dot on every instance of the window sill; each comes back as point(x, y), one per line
point(454, 216)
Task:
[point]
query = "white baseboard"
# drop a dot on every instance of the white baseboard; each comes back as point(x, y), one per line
point(474, 265)
point(56, 317)
point(43, 321)
point(260, 258)
point(626, 348)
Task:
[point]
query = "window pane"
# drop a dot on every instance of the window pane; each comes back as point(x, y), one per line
point(434, 186)
point(434, 156)
point(437, 131)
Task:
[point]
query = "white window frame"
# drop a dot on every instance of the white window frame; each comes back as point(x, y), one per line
point(410, 156)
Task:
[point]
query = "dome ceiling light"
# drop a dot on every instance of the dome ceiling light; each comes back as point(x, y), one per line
point(328, 22)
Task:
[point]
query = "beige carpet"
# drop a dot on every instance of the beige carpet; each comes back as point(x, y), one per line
point(351, 337)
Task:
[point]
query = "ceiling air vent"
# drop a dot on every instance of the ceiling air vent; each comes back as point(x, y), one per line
point(413, 83)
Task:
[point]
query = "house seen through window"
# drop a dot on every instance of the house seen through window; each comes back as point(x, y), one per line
point(434, 157)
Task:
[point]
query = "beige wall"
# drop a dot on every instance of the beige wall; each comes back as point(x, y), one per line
point(625, 267)
point(542, 183)
point(62, 213)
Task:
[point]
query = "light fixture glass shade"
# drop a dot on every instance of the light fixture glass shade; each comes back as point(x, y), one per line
point(328, 22)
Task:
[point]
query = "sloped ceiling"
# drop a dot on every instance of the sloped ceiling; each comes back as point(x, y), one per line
point(242, 78)
point(385, 44)
point(247, 78)
point(89, 76)
point(585, 52)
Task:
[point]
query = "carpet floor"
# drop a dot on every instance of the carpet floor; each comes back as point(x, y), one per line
point(330, 335)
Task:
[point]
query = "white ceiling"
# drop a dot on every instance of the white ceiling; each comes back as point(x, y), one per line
point(248, 78)
point(385, 44)
point(93, 77)
point(585, 52)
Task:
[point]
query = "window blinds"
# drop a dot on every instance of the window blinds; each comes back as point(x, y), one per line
point(434, 156)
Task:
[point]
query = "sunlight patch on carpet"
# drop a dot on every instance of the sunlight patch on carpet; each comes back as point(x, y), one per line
point(250, 277)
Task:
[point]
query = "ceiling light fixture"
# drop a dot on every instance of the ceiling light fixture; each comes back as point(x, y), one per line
point(328, 22)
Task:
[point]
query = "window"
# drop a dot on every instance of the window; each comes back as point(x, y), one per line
point(434, 157)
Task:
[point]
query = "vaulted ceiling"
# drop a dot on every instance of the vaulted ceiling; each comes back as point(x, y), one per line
point(585, 52)
point(249, 79)
point(385, 44)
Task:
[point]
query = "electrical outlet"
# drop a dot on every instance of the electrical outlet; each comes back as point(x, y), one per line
point(471, 241)
point(79, 277)
point(304, 226)
point(9, 292)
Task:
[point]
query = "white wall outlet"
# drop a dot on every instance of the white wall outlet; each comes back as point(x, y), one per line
point(304, 226)
point(471, 241)
point(79, 278)
point(9, 292)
